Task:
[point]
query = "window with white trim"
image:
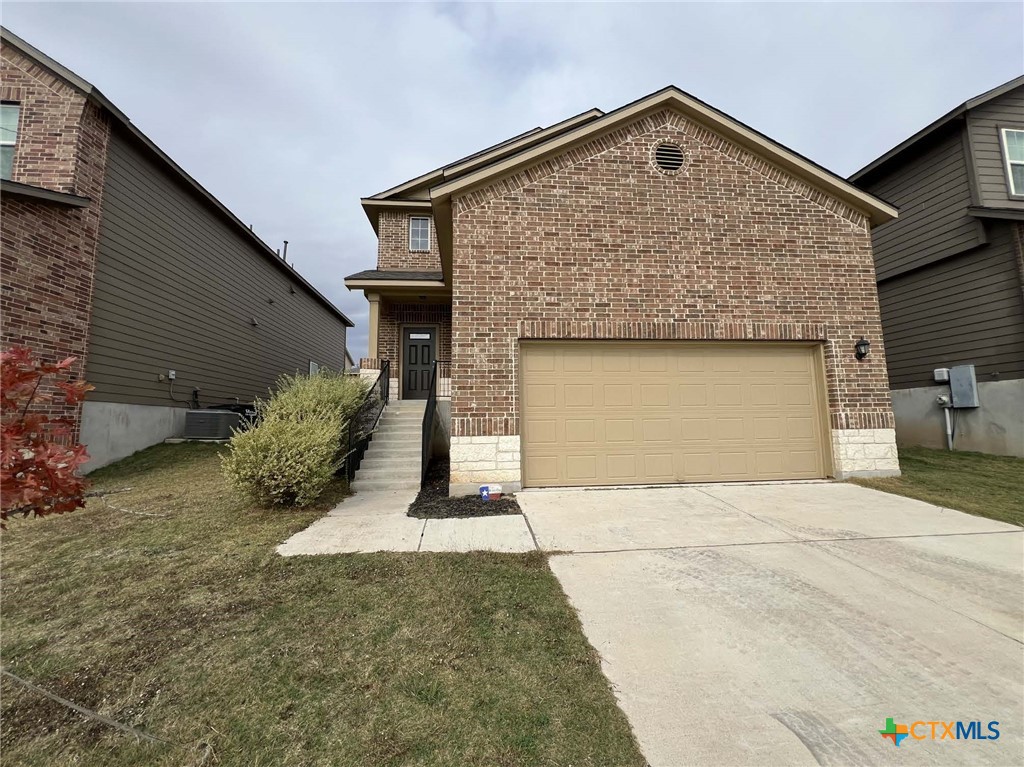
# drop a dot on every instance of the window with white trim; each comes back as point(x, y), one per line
point(1013, 151)
point(8, 137)
point(419, 233)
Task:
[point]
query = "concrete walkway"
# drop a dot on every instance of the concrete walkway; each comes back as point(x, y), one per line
point(375, 520)
point(783, 624)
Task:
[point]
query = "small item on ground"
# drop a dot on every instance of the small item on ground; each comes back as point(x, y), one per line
point(433, 501)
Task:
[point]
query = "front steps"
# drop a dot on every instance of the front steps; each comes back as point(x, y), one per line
point(392, 460)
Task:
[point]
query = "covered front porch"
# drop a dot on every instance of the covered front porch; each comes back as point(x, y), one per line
point(410, 326)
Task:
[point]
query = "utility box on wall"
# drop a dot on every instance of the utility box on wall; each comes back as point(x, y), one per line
point(963, 386)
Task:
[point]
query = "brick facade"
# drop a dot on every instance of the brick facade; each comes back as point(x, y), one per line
point(599, 243)
point(49, 251)
point(393, 244)
point(394, 316)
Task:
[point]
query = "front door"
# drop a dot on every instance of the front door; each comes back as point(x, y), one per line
point(419, 349)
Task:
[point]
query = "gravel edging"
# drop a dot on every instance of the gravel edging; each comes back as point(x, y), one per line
point(433, 502)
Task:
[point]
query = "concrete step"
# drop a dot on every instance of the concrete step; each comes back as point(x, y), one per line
point(413, 430)
point(369, 485)
point(397, 434)
point(404, 417)
point(408, 471)
point(397, 461)
point(394, 439)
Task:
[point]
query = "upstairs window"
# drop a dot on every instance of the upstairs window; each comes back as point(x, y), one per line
point(419, 233)
point(1013, 151)
point(8, 138)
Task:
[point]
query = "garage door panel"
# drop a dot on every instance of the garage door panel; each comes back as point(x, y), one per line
point(659, 467)
point(540, 431)
point(622, 467)
point(654, 395)
point(764, 394)
point(693, 394)
point(653, 361)
point(729, 429)
point(800, 428)
point(728, 395)
point(617, 395)
point(619, 430)
point(579, 430)
point(581, 468)
point(658, 430)
point(628, 413)
point(578, 395)
point(541, 395)
point(697, 467)
point(542, 469)
point(733, 465)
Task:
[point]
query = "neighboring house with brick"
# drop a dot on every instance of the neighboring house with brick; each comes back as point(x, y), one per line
point(113, 254)
point(654, 294)
point(951, 271)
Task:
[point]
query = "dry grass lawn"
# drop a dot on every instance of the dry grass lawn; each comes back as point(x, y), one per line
point(187, 625)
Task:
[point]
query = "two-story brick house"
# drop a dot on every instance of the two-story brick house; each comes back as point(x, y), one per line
point(113, 254)
point(951, 271)
point(654, 294)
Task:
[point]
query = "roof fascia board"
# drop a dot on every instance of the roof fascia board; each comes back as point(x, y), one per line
point(383, 284)
point(425, 180)
point(878, 211)
point(372, 208)
point(1006, 214)
point(17, 189)
point(952, 114)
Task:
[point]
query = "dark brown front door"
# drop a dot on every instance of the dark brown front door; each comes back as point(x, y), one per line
point(419, 349)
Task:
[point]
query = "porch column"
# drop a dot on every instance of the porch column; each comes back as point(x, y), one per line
point(374, 299)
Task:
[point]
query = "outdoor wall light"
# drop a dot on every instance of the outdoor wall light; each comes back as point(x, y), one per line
point(860, 349)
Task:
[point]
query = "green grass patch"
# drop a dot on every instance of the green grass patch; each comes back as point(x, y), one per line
point(986, 485)
point(165, 607)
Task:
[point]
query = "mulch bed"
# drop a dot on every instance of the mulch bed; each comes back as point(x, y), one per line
point(433, 501)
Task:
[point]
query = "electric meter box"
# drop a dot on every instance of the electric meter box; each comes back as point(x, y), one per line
point(940, 375)
point(963, 385)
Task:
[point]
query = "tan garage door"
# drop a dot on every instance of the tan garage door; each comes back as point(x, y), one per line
point(597, 413)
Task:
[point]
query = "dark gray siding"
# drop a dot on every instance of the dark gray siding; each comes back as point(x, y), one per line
point(966, 309)
point(177, 288)
point(1006, 111)
point(932, 192)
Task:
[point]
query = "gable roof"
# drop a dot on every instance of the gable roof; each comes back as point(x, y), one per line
point(92, 93)
point(937, 125)
point(538, 147)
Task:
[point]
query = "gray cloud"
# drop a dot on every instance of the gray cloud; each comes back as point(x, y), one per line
point(291, 112)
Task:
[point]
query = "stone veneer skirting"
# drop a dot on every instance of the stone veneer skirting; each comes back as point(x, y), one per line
point(483, 460)
point(479, 461)
point(864, 453)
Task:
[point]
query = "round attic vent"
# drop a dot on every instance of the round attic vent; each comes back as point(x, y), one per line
point(669, 157)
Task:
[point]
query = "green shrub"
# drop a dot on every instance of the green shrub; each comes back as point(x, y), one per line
point(282, 462)
point(296, 448)
point(324, 395)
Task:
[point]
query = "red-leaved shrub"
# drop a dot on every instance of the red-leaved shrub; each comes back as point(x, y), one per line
point(38, 474)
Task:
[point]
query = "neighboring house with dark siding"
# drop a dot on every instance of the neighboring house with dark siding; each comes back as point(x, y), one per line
point(113, 254)
point(951, 269)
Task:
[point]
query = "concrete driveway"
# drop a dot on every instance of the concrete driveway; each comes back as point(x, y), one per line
point(783, 624)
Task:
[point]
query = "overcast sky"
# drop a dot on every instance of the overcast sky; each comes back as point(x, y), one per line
point(289, 113)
